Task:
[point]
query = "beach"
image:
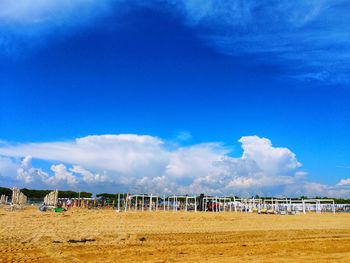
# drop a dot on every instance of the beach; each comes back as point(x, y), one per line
point(82, 235)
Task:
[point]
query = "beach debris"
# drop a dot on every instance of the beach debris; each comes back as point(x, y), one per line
point(84, 240)
point(142, 239)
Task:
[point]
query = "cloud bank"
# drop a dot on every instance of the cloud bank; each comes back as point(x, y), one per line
point(142, 163)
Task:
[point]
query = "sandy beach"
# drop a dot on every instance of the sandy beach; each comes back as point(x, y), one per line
point(82, 235)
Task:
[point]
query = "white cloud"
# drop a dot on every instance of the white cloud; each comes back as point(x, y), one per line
point(118, 153)
point(27, 173)
point(61, 175)
point(87, 175)
point(194, 161)
point(270, 159)
point(142, 163)
point(344, 182)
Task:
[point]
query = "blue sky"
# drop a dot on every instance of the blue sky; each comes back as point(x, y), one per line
point(192, 77)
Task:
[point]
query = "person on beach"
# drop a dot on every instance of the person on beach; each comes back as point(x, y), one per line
point(69, 204)
point(43, 207)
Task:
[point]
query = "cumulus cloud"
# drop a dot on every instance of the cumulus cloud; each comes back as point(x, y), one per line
point(87, 175)
point(270, 159)
point(143, 163)
point(61, 175)
point(28, 174)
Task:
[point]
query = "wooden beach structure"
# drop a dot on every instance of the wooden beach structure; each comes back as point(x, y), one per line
point(18, 198)
point(51, 199)
point(3, 199)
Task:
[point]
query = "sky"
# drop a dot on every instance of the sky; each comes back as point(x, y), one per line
point(174, 96)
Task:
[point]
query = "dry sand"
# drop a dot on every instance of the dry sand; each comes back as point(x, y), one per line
point(82, 235)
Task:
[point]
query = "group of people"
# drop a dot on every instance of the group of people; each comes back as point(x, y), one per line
point(43, 207)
